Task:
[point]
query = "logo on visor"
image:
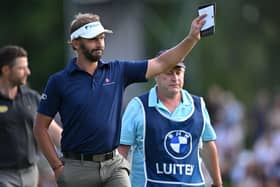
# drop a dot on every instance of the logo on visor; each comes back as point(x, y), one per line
point(89, 26)
point(178, 144)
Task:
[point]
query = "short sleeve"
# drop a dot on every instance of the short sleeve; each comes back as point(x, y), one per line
point(50, 98)
point(209, 133)
point(132, 123)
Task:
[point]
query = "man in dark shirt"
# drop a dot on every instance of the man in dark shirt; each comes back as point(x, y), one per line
point(88, 94)
point(18, 106)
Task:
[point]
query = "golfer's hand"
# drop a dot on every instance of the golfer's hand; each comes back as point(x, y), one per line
point(197, 23)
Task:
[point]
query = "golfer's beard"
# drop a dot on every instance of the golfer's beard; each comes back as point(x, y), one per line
point(90, 57)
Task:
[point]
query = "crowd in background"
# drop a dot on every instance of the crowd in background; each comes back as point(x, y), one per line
point(247, 139)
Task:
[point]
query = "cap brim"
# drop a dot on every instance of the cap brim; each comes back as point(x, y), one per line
point(93, 35)
point(181, 65)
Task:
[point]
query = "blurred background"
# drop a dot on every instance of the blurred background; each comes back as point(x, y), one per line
point(235, 70)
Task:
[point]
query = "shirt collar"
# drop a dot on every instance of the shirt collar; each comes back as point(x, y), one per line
point(72, 66)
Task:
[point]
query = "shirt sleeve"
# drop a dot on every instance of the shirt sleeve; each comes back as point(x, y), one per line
point(50, 98)
point(135, 71)
point(132, 123)
point(209, 133)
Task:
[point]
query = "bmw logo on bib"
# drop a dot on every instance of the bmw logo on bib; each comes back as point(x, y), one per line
point(178, 144)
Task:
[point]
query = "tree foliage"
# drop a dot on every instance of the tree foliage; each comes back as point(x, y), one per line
point(38, 27)
point(242, 55)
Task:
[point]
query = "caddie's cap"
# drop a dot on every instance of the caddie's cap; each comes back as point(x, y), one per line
point(90, 30)
point(181, 65)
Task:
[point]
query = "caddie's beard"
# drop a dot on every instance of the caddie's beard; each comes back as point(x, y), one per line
point(89, 54)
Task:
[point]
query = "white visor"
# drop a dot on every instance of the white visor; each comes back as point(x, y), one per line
point(90, 30)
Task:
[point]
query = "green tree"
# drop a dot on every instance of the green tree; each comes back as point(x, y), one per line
point(38, 26)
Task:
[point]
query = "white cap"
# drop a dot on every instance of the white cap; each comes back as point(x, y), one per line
point(90, 30)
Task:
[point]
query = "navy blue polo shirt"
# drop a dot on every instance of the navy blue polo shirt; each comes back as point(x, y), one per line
point(90, 105)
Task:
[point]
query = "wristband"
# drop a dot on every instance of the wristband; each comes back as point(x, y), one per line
point(58, 166)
